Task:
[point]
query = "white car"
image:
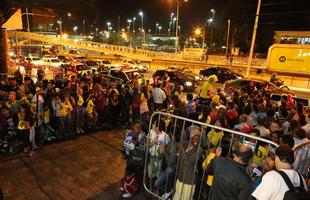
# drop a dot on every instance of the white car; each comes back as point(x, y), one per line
point(35, 60)
point(136, 65)
point(52, 62)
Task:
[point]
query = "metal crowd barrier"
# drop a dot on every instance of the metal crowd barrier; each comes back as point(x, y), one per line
point(228, 141)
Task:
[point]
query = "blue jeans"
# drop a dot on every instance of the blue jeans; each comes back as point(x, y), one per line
point(167, 176)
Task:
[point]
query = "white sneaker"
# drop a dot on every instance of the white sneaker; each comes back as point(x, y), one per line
point(166, 195)
point(126, 195)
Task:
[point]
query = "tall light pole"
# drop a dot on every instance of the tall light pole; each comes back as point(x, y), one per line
point(108, 25)
point(129, 23)
point(142, 25)
point(75, 28)
point(84, 31)
point(108, 32)
point(177, 24)
point(253, 39)
point(177, 27)
point(227, 38)
point(60, 25)
point(141, 14)
point(133, 31)
point(156, 28)
point(211, 19)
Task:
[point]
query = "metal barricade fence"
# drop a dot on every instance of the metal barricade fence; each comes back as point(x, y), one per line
point(170, 174)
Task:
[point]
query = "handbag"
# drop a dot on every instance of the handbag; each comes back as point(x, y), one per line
point(137, 157)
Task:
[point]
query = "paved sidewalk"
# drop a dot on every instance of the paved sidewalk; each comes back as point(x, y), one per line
point(89, 167)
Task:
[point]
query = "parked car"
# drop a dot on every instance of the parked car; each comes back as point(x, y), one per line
point(35, 60)
point(188, 82)
point(124, 75)
point(52, 62)
point(91, 64)
point(64, 59)
point(259, 84)
point(136, 65)
point(223, 74)
point(103, 63)
point(186, 70)
point(82, 69)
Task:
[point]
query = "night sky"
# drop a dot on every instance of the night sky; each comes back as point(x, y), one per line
point(280, 14)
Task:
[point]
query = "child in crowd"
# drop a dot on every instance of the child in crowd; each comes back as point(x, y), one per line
point(24, 128)
point(191, 104)
point(91, 112)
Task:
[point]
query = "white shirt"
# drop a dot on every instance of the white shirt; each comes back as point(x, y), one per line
point(163, 138)
point(159, 95)
point(273, 186)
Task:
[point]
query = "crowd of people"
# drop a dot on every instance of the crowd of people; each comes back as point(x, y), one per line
point(188, 161)
point(184, 160)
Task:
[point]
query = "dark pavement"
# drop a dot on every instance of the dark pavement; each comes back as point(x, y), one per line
point(89, 167)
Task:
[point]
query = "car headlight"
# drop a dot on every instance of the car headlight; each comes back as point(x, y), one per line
point(188, 84)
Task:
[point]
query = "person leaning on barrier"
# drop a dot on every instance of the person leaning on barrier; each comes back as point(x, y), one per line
point(187, 174)
point(230, 178)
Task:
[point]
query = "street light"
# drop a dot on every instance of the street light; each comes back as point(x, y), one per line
point(69, 14)
point(179, 2)
point(210, 20)
point(212, 12)
point(156, 28)
point(142, 26)
point(84, 31)
point(198, 32)
point(129, 23)
point(159, 29)
point(141, 14)
point(60, 25)
point(75, 28)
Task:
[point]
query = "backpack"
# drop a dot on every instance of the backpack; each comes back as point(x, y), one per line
point(294, 193)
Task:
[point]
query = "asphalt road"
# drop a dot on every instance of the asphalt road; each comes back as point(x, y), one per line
point(299, 85)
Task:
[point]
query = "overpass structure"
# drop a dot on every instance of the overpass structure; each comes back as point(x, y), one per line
point(139, 54)
point(91, 46)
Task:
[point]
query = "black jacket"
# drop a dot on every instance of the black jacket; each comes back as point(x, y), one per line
point(230, 180)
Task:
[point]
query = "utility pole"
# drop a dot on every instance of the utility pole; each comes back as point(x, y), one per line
point(253, 39)
point(227, 38)
point(27, 18)
point(118, 27)
point(84, 32)
point(177, 27)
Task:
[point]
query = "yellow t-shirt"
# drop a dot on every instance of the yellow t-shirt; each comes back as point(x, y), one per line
point(90, 107)
point(204, 89)
point(66, 109)
point(80, 101)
